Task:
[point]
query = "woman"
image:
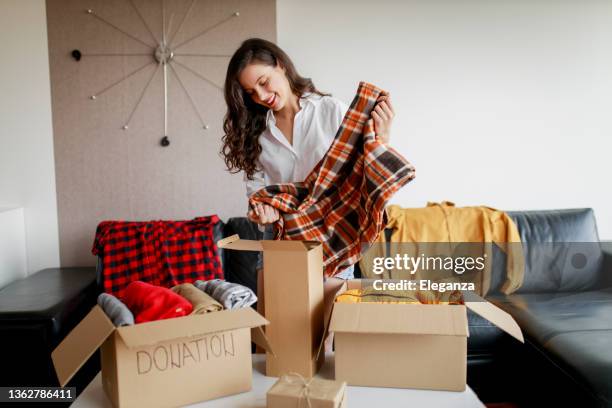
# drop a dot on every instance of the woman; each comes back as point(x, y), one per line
point(278, 125)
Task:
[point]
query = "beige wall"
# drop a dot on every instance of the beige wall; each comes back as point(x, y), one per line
point(27, 177)
point(104, 172)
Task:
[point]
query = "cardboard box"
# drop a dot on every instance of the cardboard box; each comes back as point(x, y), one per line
point(407, 345)
point(167, 362)
point(293, 297)
point(292, 391)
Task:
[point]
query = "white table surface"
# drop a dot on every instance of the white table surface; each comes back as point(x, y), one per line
point(93, 395)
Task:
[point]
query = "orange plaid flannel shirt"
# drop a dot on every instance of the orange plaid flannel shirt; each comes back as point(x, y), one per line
point(341, 203)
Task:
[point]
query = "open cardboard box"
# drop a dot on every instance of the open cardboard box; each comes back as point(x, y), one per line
point(166, 362)
point(407, 345)
point(294, 302)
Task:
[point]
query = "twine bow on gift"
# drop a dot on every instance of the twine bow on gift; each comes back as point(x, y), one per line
point(296, 378)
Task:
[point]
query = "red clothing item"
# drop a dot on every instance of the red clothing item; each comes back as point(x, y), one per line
point(163, 253)
point(149, 302)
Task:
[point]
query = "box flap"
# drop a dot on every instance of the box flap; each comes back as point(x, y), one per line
point(234, 242)
point(498, 317)
point(150, 333)
point(356, 284)
point(81, 343)
point(259, 337)
point(311, 244)
point(332, 288)
point(450, 320)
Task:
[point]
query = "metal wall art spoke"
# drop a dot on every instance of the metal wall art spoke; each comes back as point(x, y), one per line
point(163, 51)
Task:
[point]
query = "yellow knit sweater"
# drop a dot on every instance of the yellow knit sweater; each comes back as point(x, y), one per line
point(415, 228)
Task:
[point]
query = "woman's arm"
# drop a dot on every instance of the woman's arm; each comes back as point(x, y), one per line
point(262, 214)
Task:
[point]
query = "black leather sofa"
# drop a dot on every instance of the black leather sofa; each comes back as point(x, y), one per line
point(563, 308)
point(36, 313)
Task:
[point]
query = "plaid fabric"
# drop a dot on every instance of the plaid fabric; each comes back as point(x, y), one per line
point(162, 253)
point(341, 203)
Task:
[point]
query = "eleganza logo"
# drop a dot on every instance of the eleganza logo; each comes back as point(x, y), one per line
point(422, 284)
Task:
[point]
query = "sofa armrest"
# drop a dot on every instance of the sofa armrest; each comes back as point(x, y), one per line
point(36, 313)
point(605, 280)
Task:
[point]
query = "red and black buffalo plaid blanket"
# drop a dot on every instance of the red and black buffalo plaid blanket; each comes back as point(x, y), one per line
point(341, 203)
point(162, 253)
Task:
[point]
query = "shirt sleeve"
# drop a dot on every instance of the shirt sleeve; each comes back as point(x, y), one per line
point(339, 110)
point(257, 183)
point(252, 186)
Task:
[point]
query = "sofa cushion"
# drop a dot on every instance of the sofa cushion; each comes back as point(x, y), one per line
point(484, 338)
point(585, 356)
point(561, 250)
point(218, 234)
point(545, 315)
point(574, 331)
point(571, 225)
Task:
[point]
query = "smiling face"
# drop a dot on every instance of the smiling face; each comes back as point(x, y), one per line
point(267, 85)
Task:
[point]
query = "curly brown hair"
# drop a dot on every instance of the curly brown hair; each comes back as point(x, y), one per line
point(245, 120)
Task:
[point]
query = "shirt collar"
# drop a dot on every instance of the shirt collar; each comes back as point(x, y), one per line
point(307, 98)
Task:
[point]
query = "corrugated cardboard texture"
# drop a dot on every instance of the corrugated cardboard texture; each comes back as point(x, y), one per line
point(234, 242)
point(146, 334)
point(293, 287)
point(184, 371)
point(81, 343)
point(104, 172)
point(331, 287)
point(259, 338)
point(108, 357)
point(399, 319)
point(286, 245)
point(289, 392)
point(401, 360)
point(407, 345)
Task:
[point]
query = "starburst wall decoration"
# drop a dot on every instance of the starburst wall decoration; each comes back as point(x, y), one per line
point(163, 51)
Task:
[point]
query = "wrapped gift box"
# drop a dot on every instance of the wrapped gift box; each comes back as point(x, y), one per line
point(293, 390)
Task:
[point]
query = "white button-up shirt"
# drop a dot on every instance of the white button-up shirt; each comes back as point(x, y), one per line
point(314, 128)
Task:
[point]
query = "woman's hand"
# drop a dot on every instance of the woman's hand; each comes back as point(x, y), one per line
point(263, 214)
point(383, 115)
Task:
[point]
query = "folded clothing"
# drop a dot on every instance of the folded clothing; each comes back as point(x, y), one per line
point(116, 310)
point(418, 229)
point(371, 295)
point(201, 301)
point(149, 302)
point(230, 295)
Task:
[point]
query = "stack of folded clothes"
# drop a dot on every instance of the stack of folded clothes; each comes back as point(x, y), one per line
point(143, 302)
